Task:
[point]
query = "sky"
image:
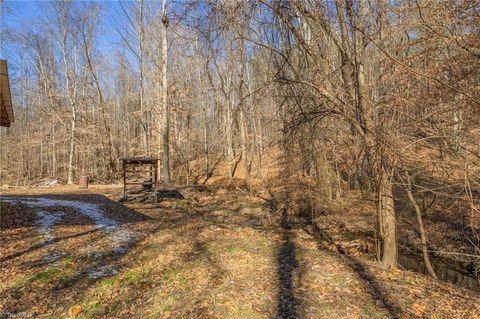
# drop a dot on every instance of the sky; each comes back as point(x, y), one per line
point(18, 15)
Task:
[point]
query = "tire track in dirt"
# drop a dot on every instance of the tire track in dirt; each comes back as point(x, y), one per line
point(118, 238)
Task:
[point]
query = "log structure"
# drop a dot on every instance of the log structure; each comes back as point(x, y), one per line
point(132, 166)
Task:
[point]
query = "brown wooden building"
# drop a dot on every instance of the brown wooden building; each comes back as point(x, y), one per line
point(6, 109)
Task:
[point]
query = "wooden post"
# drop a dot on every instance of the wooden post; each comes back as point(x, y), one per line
point(155, 181)
point(124, 180)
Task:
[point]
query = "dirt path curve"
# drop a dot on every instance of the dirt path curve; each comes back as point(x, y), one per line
point(119, 237)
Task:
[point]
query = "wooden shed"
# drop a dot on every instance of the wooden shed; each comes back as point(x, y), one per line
point(6, 109)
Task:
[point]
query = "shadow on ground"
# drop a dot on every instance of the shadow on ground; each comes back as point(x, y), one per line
point(287, 264)
point(13, 214)
point(20, 218)
point(372, 285)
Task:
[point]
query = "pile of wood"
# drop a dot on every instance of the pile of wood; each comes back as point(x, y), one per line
point(48, 182)
point(142, 195)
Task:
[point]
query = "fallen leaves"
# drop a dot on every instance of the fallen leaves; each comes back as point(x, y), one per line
point(418, 309)
point(75, 311)
point(210, 262)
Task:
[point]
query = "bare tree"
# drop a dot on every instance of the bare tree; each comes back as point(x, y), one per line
point(69, 54)
point(165, 108)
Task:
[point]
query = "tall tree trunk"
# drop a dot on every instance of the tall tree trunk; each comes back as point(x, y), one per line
point(228, 130)
point(375, 152)
point(54, 151)
point(346, 70)
point(456, 129)
point(166, 124)
point(71, 149)
point(387, 223)
point(243, 136)
point(141, 56)
point(70, 87)
point(421, 229)
point(101, 102)
point(205, 141)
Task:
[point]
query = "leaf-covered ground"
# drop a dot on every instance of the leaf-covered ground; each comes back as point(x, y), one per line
point(216, 254)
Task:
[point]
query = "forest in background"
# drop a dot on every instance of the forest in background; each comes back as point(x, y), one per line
point(376, 96)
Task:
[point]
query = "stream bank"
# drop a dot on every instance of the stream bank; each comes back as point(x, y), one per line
point(462, 274)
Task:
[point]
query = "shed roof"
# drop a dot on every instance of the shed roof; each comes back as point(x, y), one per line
point(139, 160)
point(6, 109)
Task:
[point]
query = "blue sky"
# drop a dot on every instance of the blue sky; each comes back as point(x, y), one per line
point(21, 14)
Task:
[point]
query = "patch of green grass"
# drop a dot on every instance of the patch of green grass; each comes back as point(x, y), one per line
point(108, 282)
point(329, 309)
point(68, 261)
point(93, 310)
point(123, 286)
point(182, 204)
point(51, 275)
point(370, 310)
point(339, 281)
point(137, 275)
point(45, 276)
point(176, 275)
point(161, 308)
point(37, 238)
point(96, 309)
point(130, 277)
